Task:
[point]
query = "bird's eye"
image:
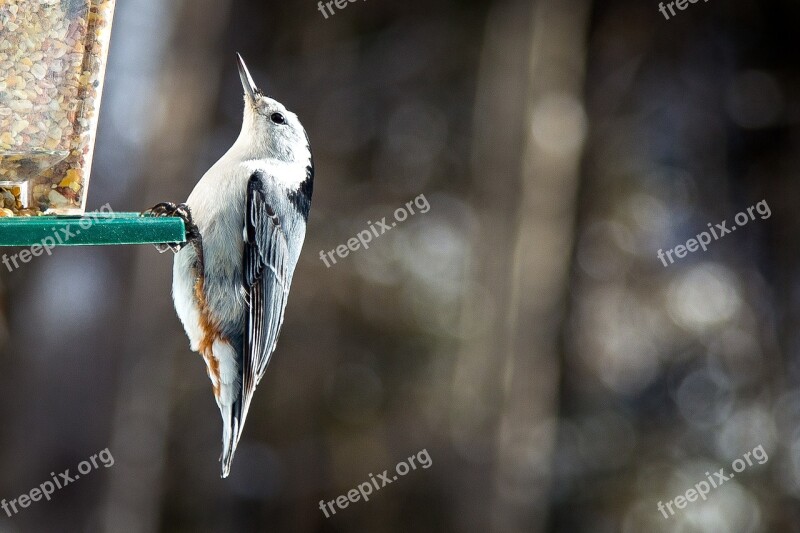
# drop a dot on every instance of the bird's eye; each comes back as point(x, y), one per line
point(277, 118)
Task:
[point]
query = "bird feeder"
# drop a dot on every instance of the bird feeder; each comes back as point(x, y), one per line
point(53, 57)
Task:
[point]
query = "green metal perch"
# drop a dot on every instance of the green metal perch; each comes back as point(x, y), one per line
point(92, 229)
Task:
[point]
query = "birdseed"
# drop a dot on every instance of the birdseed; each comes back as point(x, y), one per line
point(52, 62)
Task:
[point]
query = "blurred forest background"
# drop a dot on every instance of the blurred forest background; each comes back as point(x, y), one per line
point(523, 331)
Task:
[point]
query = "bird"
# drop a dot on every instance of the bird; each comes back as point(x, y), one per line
point(245, 226)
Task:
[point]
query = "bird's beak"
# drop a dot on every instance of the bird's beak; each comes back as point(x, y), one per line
point(249, 85)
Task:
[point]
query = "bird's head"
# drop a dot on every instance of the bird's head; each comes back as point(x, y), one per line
point(271, 130)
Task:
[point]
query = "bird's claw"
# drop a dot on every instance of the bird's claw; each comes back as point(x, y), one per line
point(165, 246)
point(164, 209)
point(182, 211)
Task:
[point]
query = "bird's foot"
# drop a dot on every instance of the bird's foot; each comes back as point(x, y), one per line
point(182, 211)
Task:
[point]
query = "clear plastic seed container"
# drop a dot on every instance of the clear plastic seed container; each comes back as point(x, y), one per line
point(52, 63)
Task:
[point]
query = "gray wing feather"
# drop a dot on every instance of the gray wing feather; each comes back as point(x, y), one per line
point(266, 283)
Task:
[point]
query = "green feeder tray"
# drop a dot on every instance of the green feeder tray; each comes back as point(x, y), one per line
point(92, 229)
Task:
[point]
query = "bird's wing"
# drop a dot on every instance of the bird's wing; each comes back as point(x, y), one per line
point(266, 287)
point(266, 282)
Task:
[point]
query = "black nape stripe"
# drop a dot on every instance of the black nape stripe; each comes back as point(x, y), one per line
point(301, 198)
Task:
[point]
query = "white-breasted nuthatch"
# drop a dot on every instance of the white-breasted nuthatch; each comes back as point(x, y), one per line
point(246, 222)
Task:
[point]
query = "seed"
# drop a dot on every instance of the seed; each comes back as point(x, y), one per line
point(51, 143)
point(38, 71)
point(20, 105)
point(57, 199)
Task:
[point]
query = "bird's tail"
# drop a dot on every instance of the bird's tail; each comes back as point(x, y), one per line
point(233, 419)
point(226, 376)
point(232, 424)
point(232, 398)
